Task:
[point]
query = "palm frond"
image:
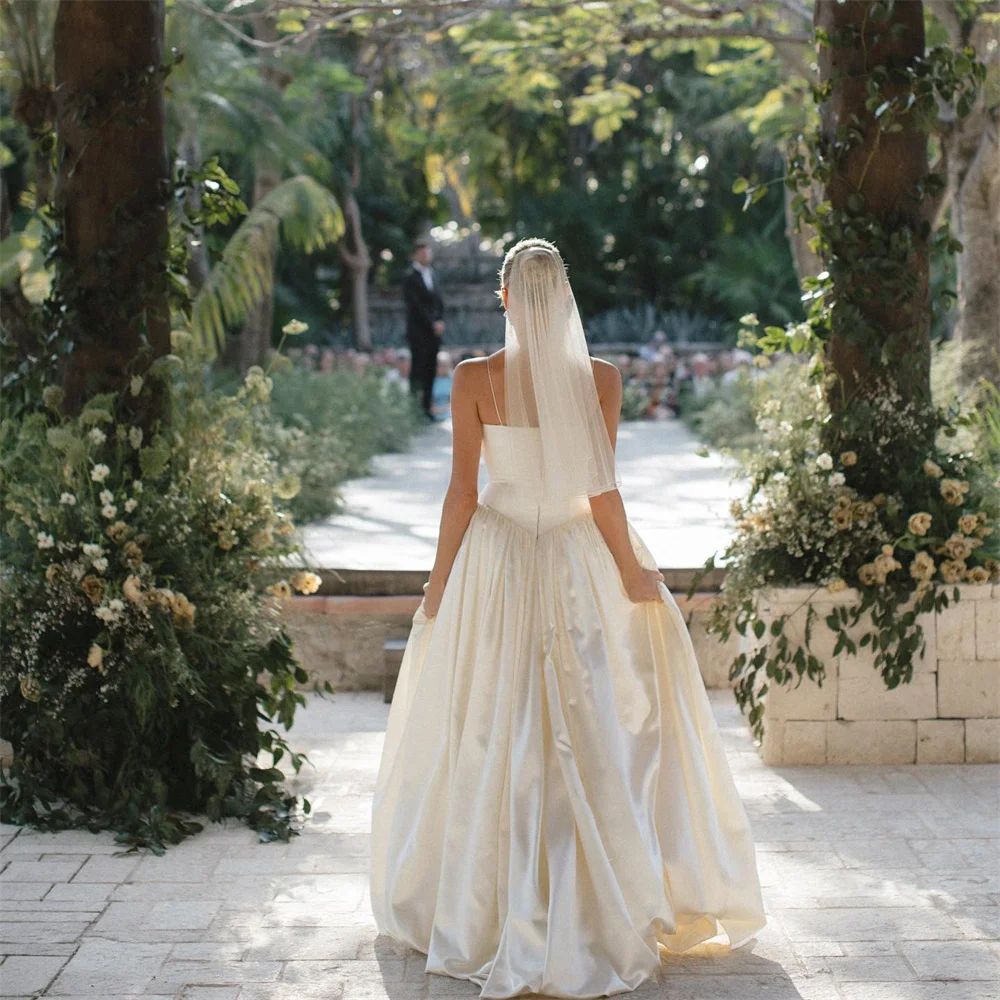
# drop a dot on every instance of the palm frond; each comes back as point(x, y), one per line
point(299, 211)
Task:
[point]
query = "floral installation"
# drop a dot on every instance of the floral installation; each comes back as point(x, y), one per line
point(141, 646)
point(812, 518)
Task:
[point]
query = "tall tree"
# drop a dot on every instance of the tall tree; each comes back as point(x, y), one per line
point(111, 192)
point(879, 254)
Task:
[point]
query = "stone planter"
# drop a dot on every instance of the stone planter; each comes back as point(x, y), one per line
point(949, 713)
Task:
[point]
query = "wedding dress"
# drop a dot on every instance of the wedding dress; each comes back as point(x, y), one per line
point(554, 802)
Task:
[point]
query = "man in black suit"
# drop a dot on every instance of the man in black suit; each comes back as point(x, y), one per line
point(424, 323)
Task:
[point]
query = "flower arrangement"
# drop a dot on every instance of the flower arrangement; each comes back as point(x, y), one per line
point(141, 646)
point(818, 518)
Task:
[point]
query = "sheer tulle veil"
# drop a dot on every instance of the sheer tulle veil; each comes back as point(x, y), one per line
point(549, 377)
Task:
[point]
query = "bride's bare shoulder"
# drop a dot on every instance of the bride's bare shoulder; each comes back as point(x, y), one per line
point(607, 377)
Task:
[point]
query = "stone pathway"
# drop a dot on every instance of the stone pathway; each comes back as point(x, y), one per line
point(880, 884)
point(677, 501)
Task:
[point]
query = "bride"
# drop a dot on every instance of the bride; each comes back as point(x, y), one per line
point(553, 804)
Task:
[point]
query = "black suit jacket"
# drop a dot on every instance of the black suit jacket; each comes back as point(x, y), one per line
point(424, 307)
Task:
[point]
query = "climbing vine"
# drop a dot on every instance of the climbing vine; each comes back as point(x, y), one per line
point(856, 490)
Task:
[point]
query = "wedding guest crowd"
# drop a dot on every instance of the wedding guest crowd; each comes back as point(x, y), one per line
point(657, 381)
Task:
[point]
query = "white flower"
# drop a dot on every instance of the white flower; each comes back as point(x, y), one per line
point(824, 461)
point(97, 436)
point(45, 540)
point(785, 427)
point(294, 327)
point(837, 479)
point(135, 436)
point(68, 498)
point(136, 486)
point(95, 656)
point(109, 510)
point(100, 564)
point(117, 605)
point(90, 550)
point(135, 385)
point(130, 505)
point(106, 614)
point(106, 496)
point(99, 473)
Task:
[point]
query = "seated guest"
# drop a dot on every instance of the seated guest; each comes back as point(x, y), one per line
point(441, 390)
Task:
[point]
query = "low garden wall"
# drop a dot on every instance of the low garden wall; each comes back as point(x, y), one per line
point(948, 713)
point(340, 639)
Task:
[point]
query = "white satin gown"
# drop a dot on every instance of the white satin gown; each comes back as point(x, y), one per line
point(553, 802)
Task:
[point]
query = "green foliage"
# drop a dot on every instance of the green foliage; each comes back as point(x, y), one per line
point(864, 491)
point(304, 213)
point(723, 416)
point(325, 427)
point(141, 653)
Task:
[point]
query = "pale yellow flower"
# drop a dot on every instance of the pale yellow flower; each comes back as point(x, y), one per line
point(867, 574)
point(920, 523)
point(95, 658)
point(848, 458)
point(953, 491)
point(183, 611)
point(933, 469)
point(306, 583)
point(280, 589)
point(953, 571)
point(958, 547)
point(978, 574)
point(922, 567)
point(968, 523)
point(294, 327)
point(31, 690)
point(132, 589)
point(836, 585)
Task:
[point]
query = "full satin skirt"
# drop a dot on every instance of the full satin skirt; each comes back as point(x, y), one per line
point(554, 802)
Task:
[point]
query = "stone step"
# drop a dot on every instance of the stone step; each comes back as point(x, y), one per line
point(404, 583)
point(353, 641)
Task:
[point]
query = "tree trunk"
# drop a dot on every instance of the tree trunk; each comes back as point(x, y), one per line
point(111, 192)
point(971, 150)
point(199, 266)
point(353, 249)
point(884, 168)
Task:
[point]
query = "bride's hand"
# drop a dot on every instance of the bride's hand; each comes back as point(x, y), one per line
point(432, 599)
point(642, 584)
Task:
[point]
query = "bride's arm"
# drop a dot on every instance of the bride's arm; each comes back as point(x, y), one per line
point(609, 510)
point(463, 490)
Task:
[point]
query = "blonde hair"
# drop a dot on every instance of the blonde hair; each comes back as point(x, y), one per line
point(533, 242)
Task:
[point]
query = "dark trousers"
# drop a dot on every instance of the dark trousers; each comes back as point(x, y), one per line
point(423, 368)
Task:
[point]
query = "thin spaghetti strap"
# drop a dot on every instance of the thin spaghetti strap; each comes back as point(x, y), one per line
point(493, 393)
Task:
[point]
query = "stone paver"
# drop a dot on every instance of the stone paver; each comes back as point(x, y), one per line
point(390, 520)
point(881, 883)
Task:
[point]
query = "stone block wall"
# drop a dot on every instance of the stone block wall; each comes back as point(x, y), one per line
point(948, 713)
point(340, 639)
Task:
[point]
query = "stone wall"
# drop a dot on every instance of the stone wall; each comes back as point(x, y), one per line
point(948, 713)
point(340, 639)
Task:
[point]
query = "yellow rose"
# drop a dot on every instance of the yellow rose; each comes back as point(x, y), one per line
point(93, 587)
point(922, 567)
point(279, 589)
point(31, 690)
point(933, 469)
point(978, 574)
point(919, 524)
point(953, 571)
point(953, 491)
point(132, 589)
point(849, 458)
point(867, 574)
point(836, 585)
point(968, 523)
